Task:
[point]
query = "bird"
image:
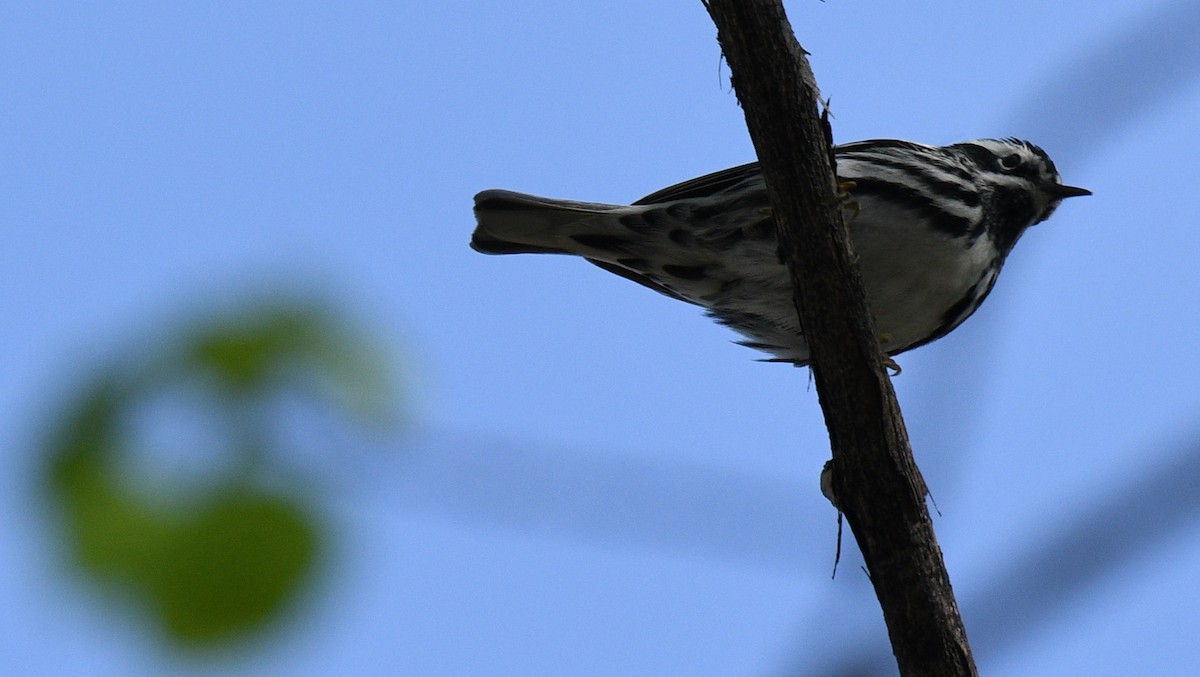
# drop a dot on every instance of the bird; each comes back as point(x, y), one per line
point(931, 228)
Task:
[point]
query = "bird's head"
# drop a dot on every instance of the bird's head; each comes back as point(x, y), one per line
point(1025, 183)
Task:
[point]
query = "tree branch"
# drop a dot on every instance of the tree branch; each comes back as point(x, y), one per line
point(875, 479)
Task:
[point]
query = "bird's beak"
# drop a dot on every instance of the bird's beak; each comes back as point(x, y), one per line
point(1059, 191)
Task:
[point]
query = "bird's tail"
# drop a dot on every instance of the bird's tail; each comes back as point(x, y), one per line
point(516, 223)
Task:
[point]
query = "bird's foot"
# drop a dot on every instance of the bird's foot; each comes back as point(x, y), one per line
point(848, 204)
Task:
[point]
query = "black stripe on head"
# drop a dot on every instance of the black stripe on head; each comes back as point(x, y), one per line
point(980, 155)
point(1036, 150)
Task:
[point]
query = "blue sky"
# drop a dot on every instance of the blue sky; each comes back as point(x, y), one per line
point(597, 481)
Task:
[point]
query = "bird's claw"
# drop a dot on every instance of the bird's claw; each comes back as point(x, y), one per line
point(849, 205)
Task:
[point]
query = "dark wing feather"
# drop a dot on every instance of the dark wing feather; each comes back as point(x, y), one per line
point(639, 278)
point(711, 184)
point(703, 186)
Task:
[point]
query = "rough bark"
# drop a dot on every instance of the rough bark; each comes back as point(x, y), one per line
point(876, 481)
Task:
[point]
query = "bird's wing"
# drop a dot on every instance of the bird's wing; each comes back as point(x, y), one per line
point(703, 186)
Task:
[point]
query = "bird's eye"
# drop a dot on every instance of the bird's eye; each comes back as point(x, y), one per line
point(1010, 162)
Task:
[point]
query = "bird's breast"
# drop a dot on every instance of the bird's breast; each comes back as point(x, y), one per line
point(915, 276)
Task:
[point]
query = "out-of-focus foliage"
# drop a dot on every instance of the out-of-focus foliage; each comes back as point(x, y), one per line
point(250, 353)
point(220, 558)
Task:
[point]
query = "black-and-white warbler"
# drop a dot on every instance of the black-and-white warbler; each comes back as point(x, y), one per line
point(932, 229)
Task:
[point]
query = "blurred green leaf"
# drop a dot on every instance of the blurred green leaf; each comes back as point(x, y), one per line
point(110, 529)
point(246, 353)
point(230, 566)
point(269, 343)
point(225, 560)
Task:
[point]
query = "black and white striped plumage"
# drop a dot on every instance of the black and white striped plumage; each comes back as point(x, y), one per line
point(932, 229)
